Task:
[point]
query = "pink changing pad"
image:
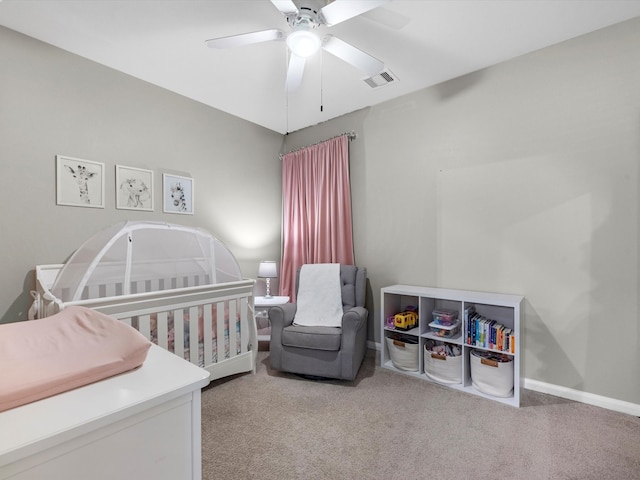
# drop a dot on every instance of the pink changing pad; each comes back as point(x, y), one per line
point(73, 348)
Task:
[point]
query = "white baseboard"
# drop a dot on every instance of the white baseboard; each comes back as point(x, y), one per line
point(583, 397)
point(568, 393)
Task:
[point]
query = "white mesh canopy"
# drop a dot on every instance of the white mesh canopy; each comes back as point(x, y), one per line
point(136, 257)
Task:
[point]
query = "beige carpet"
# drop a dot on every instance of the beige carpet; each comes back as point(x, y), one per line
point(388, 426)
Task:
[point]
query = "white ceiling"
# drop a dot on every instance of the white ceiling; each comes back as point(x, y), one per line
point(421, 42)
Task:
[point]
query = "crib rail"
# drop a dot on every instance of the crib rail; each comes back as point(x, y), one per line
point(205, 325)
point(113, 289)
point(203, 333)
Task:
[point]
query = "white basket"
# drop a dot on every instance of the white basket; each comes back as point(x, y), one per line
point(442, 369)
point(404, 356)
point(492, 378)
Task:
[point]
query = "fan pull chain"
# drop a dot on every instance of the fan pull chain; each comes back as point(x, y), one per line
point(321, 80)
point(286, 92)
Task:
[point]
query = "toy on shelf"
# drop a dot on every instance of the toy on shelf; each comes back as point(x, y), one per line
point(406, 320)
point(391, 321)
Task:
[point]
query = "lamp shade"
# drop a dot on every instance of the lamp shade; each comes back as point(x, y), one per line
point(267, 269)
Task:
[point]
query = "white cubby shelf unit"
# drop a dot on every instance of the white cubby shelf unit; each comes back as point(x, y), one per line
point(505, 309)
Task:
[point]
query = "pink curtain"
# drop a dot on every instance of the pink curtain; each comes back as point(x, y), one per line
point(317, 225)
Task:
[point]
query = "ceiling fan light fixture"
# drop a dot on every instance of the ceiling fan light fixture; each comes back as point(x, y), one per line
point(303, 43)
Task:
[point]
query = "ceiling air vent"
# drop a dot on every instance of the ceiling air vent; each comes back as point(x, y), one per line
point(382, 79)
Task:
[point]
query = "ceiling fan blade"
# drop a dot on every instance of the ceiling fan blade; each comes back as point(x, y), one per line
point(352, 55)
point(294, 72)
point(341, 10)
point(245, 38)
point(287, 7)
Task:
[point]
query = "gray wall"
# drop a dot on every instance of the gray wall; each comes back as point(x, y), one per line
point(521, 178)
point(53, 102)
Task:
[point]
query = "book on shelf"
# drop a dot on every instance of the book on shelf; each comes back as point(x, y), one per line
point(487, 333)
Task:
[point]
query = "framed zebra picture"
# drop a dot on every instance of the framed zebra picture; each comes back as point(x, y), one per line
point(134, 188)
point(79, 183)
point(177, 194)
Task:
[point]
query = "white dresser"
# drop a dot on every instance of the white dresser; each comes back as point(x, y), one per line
point(140, 424)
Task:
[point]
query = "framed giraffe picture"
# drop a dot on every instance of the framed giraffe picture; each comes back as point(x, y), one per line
point(79, 183)
point(177, 194)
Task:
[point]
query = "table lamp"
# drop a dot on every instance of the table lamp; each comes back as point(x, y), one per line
point(267, 270)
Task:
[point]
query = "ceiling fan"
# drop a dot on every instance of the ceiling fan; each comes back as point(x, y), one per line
point(303, 18)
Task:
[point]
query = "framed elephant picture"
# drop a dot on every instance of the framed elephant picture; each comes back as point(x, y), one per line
point(79, 183)
point(134, 188)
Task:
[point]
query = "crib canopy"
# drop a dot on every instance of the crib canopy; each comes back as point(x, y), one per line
point(162, 256)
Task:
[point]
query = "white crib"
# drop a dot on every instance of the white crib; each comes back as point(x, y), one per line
point(208, 323)
point(165, 318)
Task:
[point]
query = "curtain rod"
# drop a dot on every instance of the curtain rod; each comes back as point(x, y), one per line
point(350, 135)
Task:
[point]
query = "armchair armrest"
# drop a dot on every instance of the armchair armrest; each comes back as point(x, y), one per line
point(353, 321)
point(282, 316)
point(354, 339)
point(354, 318)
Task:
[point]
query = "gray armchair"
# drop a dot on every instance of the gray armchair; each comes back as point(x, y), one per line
point(330, 352)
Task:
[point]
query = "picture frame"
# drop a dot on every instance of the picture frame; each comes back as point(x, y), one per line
point(79, 182)
point(134, 188)
point(177, 194)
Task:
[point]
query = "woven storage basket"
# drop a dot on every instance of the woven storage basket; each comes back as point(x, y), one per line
point(441, 368)
point(404, 356)
point(490, 376)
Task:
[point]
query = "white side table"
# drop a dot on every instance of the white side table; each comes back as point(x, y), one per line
point(262, 306)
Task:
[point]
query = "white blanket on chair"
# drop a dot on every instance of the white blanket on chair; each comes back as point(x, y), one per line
point(319, 296)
